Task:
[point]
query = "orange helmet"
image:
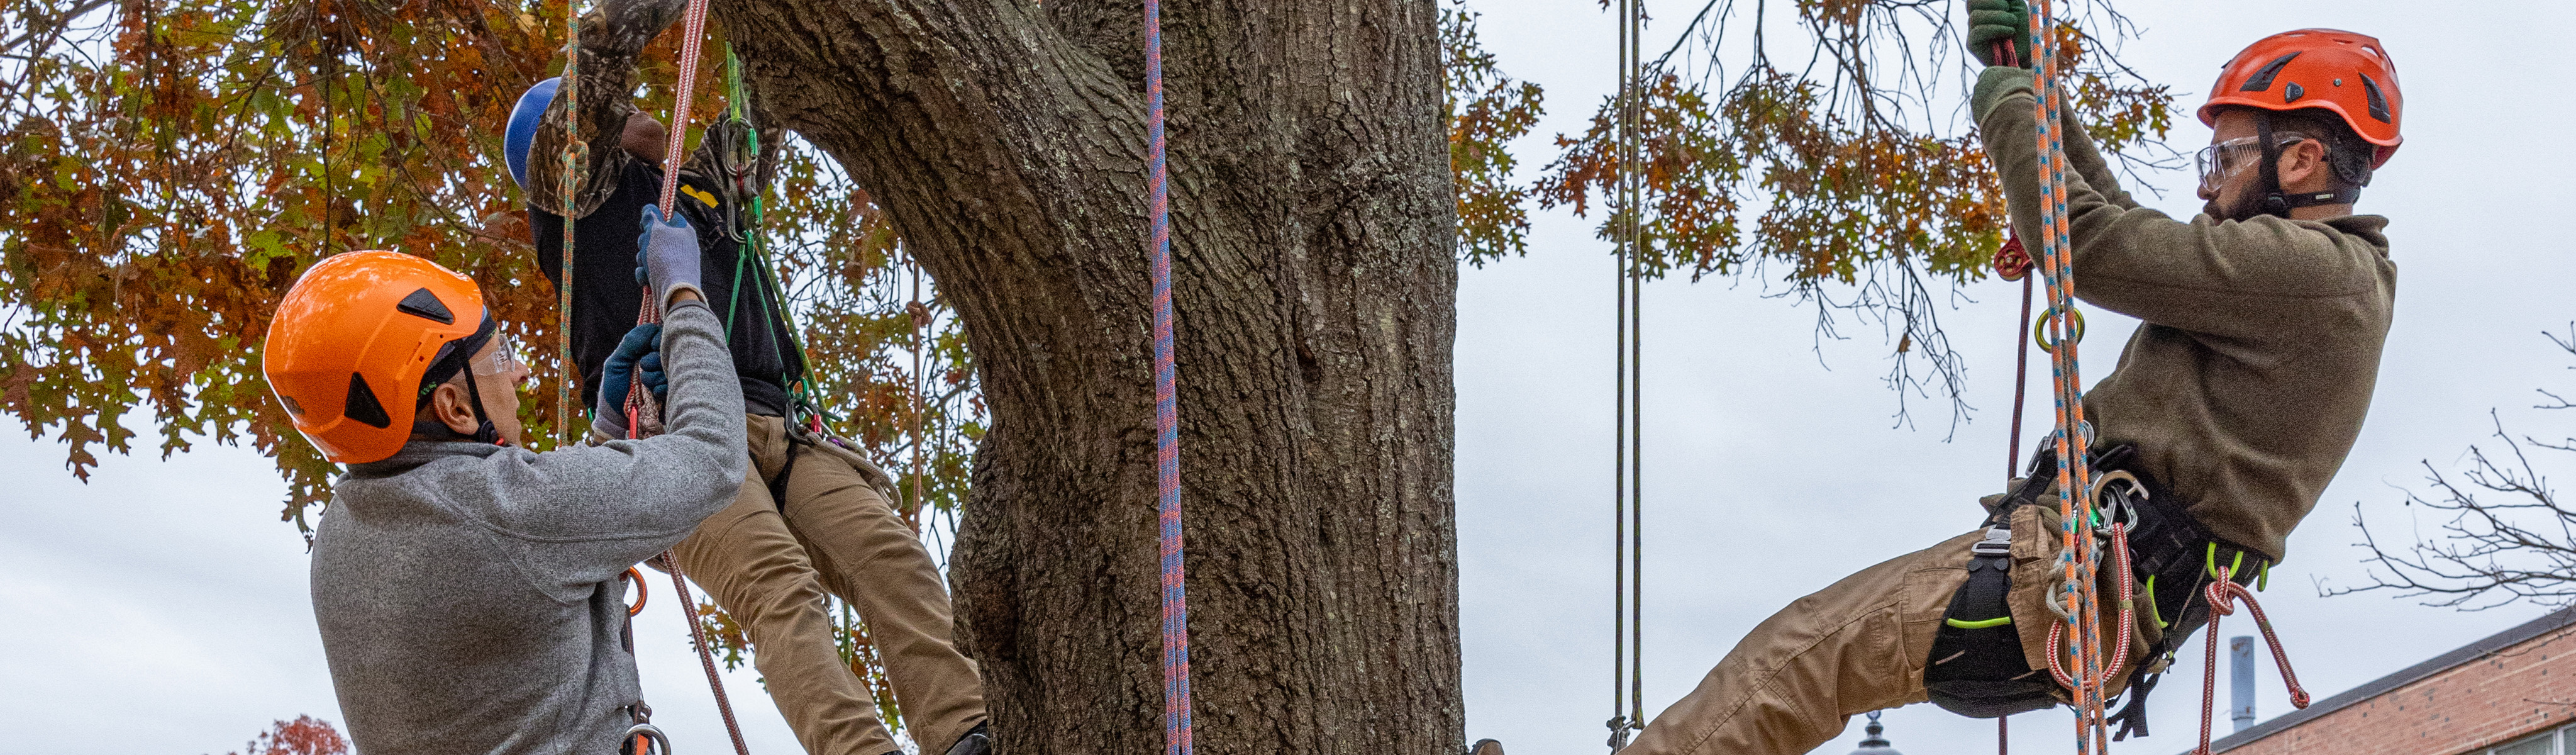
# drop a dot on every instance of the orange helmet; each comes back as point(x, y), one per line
point(2317, 68)
point(352, 341)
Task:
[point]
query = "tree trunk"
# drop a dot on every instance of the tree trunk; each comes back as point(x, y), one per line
point(1312, 237)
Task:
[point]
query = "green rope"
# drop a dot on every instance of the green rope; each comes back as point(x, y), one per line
point(754, 248)
point(576, 153)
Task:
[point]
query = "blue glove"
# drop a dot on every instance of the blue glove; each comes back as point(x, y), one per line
point(642, 346)
point(666, 256)
point(650, 369)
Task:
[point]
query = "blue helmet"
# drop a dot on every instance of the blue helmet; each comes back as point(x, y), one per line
point(522, 134)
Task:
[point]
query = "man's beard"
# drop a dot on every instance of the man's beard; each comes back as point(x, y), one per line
point(2248, 207)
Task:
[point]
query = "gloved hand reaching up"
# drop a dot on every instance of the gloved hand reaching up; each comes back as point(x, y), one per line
point(666, 257)
point(1993, 21)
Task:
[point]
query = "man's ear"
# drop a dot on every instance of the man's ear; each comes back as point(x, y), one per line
point(2303, 167)
point(448, 405)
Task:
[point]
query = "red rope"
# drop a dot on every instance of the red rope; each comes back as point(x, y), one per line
point(698, 636)
point(694, 28)
point(2128, 617)
point(2221, 594)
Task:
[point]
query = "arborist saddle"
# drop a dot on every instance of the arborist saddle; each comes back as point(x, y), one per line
point(1977, 668)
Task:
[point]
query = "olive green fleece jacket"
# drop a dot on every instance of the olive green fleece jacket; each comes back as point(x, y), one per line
point(2247, 383)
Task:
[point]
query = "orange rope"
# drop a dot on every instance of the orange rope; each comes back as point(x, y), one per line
point(2080, 554)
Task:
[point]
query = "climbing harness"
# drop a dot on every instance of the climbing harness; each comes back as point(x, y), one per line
point(1167, 419)
point(1627, 559)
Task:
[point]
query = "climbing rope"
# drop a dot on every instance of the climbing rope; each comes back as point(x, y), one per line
point(698, 636)
point(1167, 433)
point(638, 399)
point(2012, 263)
point(1628, 596)
point(2222, 594)
point(576, 155)
point(2075, 599)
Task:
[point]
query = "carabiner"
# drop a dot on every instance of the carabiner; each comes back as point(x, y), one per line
point(642, 593)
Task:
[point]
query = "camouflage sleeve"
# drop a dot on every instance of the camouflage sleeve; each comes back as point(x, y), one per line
point(611, 36)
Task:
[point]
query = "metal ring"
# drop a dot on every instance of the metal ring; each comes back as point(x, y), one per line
point(649, 731)
point(2120, 509)
point(2039, 327)
point(642, 593)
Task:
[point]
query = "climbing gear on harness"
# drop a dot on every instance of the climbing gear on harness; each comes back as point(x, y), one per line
point(2329, 69)
point(521, 135)
point(354, 337)
point(2039, 330)
point(2117, 517)
point(2163, 548)
point(1977, 668)
point(644, 738)
point(2222, 592)
point(635, 577)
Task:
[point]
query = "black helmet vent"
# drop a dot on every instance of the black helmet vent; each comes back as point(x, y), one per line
point(2263, 79)
point(2378, 102)
point(363, 405)
point(426, 305)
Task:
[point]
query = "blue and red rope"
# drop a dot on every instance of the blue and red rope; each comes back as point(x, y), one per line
point(1167, 432)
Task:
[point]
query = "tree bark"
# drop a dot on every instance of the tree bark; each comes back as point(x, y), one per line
point(1312, 234)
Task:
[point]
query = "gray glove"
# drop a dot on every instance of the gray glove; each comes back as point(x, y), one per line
point(666, 257)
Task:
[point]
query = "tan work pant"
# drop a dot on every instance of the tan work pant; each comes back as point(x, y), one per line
point(768, 565)
point(1860, 645)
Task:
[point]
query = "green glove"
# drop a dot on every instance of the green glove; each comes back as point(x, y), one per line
point(1993, 21)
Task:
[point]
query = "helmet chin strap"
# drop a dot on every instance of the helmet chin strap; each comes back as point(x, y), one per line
point(458, 355)
point(2276, 202)
point(484, 432)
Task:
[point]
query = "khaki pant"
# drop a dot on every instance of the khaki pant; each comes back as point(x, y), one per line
point(768, 565)
point(1856, 646)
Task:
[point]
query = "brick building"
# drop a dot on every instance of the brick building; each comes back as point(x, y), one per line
point(2510, 694)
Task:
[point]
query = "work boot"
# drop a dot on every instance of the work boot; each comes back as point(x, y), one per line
point(977, 741)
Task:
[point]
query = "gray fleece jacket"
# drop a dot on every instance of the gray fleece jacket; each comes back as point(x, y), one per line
point(469, 595)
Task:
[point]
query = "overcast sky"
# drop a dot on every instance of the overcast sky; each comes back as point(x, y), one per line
point(161, 608)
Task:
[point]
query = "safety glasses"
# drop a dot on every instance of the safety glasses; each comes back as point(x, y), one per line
point(505, 360)
point(2219, 163)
